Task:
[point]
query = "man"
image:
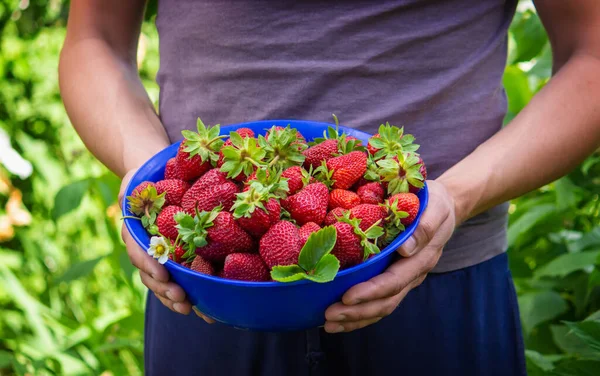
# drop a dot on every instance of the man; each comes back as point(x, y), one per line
point(434, 67)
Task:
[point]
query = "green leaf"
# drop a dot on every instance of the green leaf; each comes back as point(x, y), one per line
point(325, 270)
point(530, 36)
point(318, 245)
point(517, 88)
point(69, 197)
point(539, 307)
point(588, 331)
point(524, 223)
point(288, 273)
point(539, 360)
point(577, 368)
point(5, 359)
point(567, 263)
point(569, 342)
point(567, 195)
point(79, 270)
point(588, 240)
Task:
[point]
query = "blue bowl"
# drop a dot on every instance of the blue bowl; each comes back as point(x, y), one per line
point(265, 306)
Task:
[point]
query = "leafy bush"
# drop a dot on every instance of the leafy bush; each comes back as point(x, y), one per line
point(73, 304)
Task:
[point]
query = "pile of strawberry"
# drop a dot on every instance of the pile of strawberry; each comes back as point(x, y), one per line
point(279, 208)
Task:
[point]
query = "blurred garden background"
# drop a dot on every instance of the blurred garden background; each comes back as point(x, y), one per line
point(71, 303)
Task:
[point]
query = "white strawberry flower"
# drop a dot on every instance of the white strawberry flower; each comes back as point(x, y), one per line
point(159, 249)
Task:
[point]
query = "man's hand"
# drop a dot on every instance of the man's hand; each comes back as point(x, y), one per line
point(154, 275)
point(370, 301)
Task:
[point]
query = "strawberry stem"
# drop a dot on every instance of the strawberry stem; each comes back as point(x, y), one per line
point(274, 161)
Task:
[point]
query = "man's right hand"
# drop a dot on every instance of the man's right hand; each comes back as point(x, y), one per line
point(154, 275)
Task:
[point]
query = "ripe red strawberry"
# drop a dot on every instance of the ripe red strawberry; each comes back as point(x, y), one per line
point(406, 202)
point(348, 248)
point(347, 169)
point(190, 167)
point(260, 221)
point(341, 198)
point(143, 185)
point(370, 148)
point(177, 255)
point(221, 157)
point(308, 205)
point(174, 189)
point(209, 198)
point(224, 237)
point(401, 172)
point(296, 176)
point(320, 152)
point(299, 135)
point(371, 193)
point(245, 267)
point(332, 216)
point(200, 265)
point(211, 178)
point(172, 169)
point(281, 245)
point(423, 171)
point(306, 230)
point(245, 132)
point(165, 222)
point(368, 214)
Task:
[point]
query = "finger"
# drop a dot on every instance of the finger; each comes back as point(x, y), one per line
point(142, 260)
point(179, 307)
point(332, 327)
point(389, 283)
point(168, 290)
point(203, 316)
point(438, 211)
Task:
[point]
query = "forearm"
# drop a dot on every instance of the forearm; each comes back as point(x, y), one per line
point(553, 134)
point(108, 105)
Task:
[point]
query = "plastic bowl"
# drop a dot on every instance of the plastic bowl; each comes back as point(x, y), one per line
point(265, 306)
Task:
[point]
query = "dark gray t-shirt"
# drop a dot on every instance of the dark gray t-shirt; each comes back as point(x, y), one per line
point(433, 66)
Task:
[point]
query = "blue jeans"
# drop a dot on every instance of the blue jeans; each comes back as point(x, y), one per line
point(464, 322)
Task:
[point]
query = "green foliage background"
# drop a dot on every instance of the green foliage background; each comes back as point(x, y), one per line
point(73, 305)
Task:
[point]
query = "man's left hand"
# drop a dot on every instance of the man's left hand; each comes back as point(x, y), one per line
point(370, 301)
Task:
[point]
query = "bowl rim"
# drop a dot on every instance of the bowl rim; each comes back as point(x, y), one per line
point(170, 264)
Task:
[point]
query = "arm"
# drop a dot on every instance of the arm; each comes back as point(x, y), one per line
point(110, 109)
point(556, 131)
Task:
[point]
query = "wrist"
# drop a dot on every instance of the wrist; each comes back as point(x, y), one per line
point(462, 196)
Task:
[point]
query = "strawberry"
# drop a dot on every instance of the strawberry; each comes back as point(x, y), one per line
point(174, 190)
point(166, 223)
point(371, 193)
point(369, 214)
point(347, 247)
point(146, 203)
point(401, 172)
point(190, 166)
point(177, 255)
point(324, 151)
point(200, 265)
point(332, 216)
point(297, 177)
point(198, 151)
point(256, 210)
point(306, 230)
point(172, 169)
point(308, 205)
point(245, 132)
point(143, 185)
point(354, 245)
point(389, 141)
point(213, 234)
point(211, 178)
point(245, 267)
point(241, 156)
point(209, 198)
point(423, 171)
point(343, 199)
point(299, 135)
point(406, 202)
point(282, 148)
point(347, 169)
point(281, 245)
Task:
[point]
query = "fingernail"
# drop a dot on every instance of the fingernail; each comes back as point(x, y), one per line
point(340, 318)
point(410, 246)
point(197, 312)
point(337, 329)
point(178, 307)
point(169, 295)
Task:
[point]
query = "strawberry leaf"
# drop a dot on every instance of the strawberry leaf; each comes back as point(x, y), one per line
point(318, 245)
point(288, 273)
point(325, 270)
